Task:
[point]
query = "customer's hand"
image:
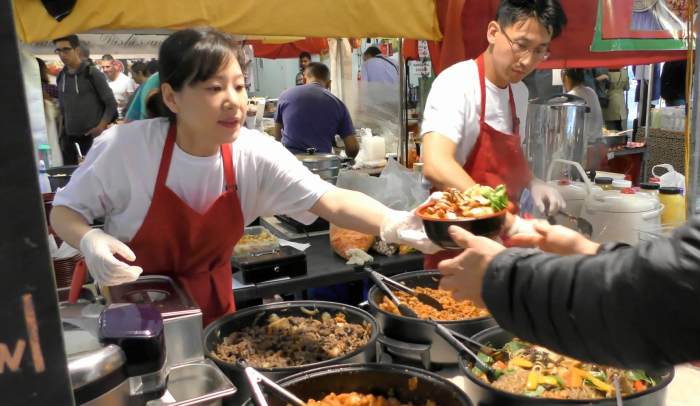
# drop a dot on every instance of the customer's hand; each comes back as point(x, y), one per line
point(557, 240)
point(99, 249)
point(464, 274)
point(403, 227)
point(97, 130)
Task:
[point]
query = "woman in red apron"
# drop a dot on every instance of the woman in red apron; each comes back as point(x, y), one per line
point(203, 95)
point(496, 158)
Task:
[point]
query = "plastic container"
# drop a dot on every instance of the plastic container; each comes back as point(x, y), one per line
point(621, 184)
point(604, 183)
point(674, 205)
point(649, 190)
point(256, 241)
point(44, 183)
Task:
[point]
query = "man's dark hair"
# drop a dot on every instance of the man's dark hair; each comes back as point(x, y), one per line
point(304, 55)
point(139, 67)
point(372, 51)
point(577, 76)
point(72, 39)
point(152, 66)
point(549, 13)
point(107, 57)
point(319, 71)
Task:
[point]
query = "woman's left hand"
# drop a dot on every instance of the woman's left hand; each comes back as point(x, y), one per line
point(464, 274)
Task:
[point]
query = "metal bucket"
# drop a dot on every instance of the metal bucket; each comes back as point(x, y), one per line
point(555, 130)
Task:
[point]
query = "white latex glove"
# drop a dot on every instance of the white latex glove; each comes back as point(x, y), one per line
point(99, 248)
point(541, 193)
point(403, 227)
point(523, 226)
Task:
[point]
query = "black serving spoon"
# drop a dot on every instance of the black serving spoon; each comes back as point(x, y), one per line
point(422, 297)
point(451, 339)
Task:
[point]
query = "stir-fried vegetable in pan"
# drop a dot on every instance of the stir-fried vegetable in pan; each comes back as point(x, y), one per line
point(530, 370)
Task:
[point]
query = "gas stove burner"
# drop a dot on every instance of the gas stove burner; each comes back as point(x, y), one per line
point(400, 352)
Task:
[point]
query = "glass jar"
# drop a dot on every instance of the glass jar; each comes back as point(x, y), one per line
point(604, 183)
point(674, 205)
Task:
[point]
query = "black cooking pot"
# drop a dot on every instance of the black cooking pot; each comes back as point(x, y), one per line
point(377, 379)
point(415, 339)
point(485, 394)
point(223, 327)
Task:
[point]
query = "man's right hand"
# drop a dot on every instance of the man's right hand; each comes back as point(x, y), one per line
point(557, 240)
point(97, 130)
point(99, 248)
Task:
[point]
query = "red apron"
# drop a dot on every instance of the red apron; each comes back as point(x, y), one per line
point(195, 249)
point(496, 158)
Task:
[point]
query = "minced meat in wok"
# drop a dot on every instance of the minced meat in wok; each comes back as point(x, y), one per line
point(358, 399)
point(531, 370)
point(294, 341)
point(452, 309)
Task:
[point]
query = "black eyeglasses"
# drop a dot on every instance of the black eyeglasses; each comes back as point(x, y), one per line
point(520, 50)
point(63, 50)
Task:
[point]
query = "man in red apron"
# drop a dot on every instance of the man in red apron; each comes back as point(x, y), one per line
point(175, 240)
point(471, 127)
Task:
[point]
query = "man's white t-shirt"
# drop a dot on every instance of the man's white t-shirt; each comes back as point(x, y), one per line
point(453, 107)
point(122, 87)
point(593, 120)
point(117, 179)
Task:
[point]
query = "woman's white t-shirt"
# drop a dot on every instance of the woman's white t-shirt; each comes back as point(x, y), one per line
point(117, 179)
point(453, 108)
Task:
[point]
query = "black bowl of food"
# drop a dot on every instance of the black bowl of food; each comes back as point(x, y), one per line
point(281, 339)
point(362, 384)
point(481, 210)
point(528, 374)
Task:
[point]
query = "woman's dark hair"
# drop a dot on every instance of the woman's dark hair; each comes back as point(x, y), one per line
point(549, 13)
point(43, 70)
point(190, 56)
point(577, 76)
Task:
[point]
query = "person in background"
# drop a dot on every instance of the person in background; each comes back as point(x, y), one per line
point(598, 80)
point(304, 60)
point(138, 109)
point(122, 86)
point(139, 72)
point(50, 90)
point(377, 68)
point(84, 52)
point(471, 127)
point(310, 116)
point(615, 114)
point(177, 191)
point(673, 83)
point(633, 307)
point(86, 100)
point(573, 80)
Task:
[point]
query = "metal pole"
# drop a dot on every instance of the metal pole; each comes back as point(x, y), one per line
point(640, 104)
point(694, 170)
point(33, 368)
point(403, 116)
point(339, 50)
point(650, 93)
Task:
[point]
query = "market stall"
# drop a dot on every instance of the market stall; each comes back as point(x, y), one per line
point(332, 333)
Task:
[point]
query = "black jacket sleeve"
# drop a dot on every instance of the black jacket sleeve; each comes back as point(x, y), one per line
point(632, 307)
point(104, 92)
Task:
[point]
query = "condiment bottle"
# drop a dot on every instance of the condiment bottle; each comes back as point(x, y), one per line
point(674, 205)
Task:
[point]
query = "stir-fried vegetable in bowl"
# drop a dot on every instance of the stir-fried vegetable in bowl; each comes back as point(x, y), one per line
point(530, 370)
point(480, 210)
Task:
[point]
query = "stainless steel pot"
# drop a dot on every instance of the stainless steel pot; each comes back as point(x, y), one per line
point(555, 130)
point(327, 166)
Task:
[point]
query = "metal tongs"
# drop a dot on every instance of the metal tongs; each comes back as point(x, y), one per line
point(255, 378)
point(451, 338)
point(422, 297)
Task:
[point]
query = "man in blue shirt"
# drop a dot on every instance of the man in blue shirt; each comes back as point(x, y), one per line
point(310, 116)
point(377, 68)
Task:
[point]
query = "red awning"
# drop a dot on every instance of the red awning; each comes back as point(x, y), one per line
point(290, 49)
point(571, 49)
